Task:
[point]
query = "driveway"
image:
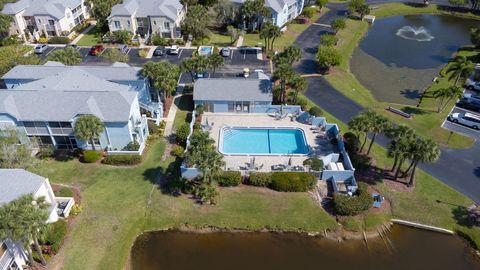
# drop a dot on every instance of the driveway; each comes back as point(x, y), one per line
point(458, 168)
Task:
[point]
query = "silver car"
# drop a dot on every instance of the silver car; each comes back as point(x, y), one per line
point(123, 48)
point(466, 119)
point(41, 48)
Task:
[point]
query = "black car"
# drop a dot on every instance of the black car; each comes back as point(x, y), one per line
point(159, 51)
point(472, 106)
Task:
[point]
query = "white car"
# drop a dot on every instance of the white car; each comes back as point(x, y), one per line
point(472, 97)
point(39, 49)
point(174, 50)
point(465, 118)
point(472, 85)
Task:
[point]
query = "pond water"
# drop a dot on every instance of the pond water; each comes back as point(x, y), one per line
point(401, 55)
point(406, 248)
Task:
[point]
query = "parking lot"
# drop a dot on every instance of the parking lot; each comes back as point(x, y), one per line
point(459, 128)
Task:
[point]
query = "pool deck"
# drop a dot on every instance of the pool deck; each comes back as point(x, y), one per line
point(319, 145)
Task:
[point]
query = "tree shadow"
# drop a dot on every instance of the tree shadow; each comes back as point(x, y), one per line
point(63, 155)
point(413, 110)
point(168, 179)
point(410, 94)
point(462, 217)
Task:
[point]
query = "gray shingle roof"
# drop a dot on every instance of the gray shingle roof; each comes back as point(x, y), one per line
point(147, 8)
point(56, 105)
point(17, 182)
point(114, 72)
point(233, 89)
point(54, 8)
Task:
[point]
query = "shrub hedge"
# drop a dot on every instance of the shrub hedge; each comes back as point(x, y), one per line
point(59, 40)
point(292, 181)
point(229, 178)
point(182, 132)
point(177, 151)
point(260, 179)
point(91, 156)
point(315, 111)
point(55, 233)
point(353, 205)
point(122, 159)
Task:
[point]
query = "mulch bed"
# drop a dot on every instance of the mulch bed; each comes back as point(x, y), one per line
point(76, 191)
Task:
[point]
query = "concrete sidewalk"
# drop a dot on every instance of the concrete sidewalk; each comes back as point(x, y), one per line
point(171, 116)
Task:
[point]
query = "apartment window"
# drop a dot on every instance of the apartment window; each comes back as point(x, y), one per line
point(39, 21)
point(65, 142)
point(34, 128)
point(154, 22)
point(128, 22)
point(117, 24)
point(63, 128)
point(42, 140)
point(166, 25)
point(51, 22)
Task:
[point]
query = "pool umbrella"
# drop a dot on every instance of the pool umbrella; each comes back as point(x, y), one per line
point(289, 162)
point(252, 163)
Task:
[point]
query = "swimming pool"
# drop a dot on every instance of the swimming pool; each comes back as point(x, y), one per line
point(263, 141)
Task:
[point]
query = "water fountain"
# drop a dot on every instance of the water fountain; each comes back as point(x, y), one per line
point(415, 33)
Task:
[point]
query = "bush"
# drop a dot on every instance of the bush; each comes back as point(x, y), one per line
point(10, 40)
point(302, 102)
point(152, 127)
point(122, 36)
point(314, 163)
point(260, 179)
point(143, 53)
point(76, 210)
point(159, 41)
point(200, 109)
point(229, 178)
point(55, 233)
point(292, 181)
point(182, 132)
point(328, 40)
point(45, 151)
point(360, 162)
point(353, 205)
point(91, 156)
point(132, 146)
point(64, 192)
point(177, 151)
point(309, 12)
point(43, 40)
point(59, 40)
point(162, 124)
point(339, 24)
point(122, 159)
point(315, 111)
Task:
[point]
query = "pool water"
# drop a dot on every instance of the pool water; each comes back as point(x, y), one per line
point(264, 141)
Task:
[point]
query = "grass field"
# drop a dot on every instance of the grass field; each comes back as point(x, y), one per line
point(91, 38)
point(425, 118)
point(119, 203)
point(394, 9)
point(185, 107)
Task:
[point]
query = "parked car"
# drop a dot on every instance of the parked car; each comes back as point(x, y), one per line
point(225, 52)
point(469, 105)
point(472, 85)
point(95, 50)
point(123, 48)
point(201, 75)
point(465, 118)
point(471, 97)
point(159, 51)
point(39, 49)
point(174, 50)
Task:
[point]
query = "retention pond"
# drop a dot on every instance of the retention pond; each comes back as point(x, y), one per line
point(401, 55)
point(405, 248)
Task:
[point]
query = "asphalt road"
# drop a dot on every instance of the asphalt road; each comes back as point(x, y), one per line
point(458, 168)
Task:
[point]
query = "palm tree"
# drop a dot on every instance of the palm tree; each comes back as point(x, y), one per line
point(269, 33)
point(23, 220)
point(215, 61)
point(68, 56)
point(163, 75)
point(403, 149)
point(378, 124)
point(361, 126)
point(290, 55)
point(424, 150)
point(445, 95)
point(299, 85)
point(274, 33)
point(460, 68)
point(188, 65)
point(285, 74)
point(87, 128)
point(395, 147)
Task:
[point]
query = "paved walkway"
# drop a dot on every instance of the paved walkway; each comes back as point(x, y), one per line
point(92, 24)
point(458, 168)
point(239, 42)
point(171, 116)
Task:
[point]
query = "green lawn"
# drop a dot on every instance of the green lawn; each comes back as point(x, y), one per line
point(288, 37)
point(219, 40)
point(118, 207)
point(185, 107)
point(91, 38)
point(393, 9)
point(420, 205)
point(425, 118)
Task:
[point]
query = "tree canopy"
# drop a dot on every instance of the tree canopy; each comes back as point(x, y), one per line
point(196, 22)
point(68, 56)
point(88, 128)
point(164, 75)
point(328, 56)
point(114, 55)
